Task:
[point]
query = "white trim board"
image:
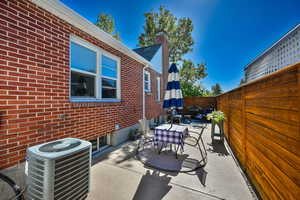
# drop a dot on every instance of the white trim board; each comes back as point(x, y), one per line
point(60, 10)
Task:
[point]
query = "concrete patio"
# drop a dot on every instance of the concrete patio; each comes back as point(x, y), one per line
point(118, 175)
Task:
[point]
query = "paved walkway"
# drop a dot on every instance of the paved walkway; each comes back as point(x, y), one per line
point(117, 175)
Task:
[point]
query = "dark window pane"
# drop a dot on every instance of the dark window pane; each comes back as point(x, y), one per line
point(146, 85)
point(109, 83)
point(83, 58)
point(94, 145)
point(102, 141)
point(109, 93)
point(146, 77)
point(82, 85)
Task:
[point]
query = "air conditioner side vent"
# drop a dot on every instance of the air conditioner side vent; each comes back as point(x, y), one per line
point(71, 172)
point(36, 178)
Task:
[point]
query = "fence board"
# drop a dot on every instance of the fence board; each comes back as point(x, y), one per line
point(281, 127)
point(284, 185)
point(286, 116)
point(288, 162)
point(287, 143)
point(280, 103)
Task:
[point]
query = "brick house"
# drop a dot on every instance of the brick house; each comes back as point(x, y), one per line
point(61, 76)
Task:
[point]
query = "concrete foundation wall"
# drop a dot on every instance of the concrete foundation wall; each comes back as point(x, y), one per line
point(121, 135)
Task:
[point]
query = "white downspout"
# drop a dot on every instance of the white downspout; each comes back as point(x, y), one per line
point(144, 98)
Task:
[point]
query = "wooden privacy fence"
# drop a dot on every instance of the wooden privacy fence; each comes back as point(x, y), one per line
point(203, 102)
point(263, 129)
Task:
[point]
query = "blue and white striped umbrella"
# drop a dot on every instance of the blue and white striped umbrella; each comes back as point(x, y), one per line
point(173, 96)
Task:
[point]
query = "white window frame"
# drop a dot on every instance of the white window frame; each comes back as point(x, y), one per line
point(108, 143)
point(117, 59)
point(158, 88)
point(149, 81)
point(98, 75)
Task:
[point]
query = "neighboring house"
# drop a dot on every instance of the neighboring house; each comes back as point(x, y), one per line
point(61, 76)
point(158, 55)
point(284, 52)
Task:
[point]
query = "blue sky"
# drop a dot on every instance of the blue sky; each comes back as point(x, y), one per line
point(228, 34)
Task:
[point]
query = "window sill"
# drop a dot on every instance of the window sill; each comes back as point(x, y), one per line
point(148, 92)
point(95, 100)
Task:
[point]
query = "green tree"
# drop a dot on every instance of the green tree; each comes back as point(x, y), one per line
point(106, 22)
point(177, 31)
point(190, 75)
point(189, 90)
point(207, 93)
point(196, 90)
point(216, 89)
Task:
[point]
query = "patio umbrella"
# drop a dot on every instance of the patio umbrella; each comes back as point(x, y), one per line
point(173, 95)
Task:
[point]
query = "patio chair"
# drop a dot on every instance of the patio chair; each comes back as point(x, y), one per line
point(147, 134)
point(155, 123)
point(198, 142)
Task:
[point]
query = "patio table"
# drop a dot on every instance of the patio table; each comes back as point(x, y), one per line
point(170, 135)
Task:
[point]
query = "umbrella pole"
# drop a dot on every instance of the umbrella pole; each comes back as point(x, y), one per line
point(171, 119)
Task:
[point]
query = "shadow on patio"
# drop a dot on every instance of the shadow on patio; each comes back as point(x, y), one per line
point(217, 147)
point(153, 186)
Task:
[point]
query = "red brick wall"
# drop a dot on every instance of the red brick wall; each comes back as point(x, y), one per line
point(34, 84)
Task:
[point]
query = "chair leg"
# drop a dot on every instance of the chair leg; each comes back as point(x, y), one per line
point(203, 146)
point(176, 151)
point(162, 146)
point(204, 157)
point(145, 142)
point(201, 151)
point(139, 145)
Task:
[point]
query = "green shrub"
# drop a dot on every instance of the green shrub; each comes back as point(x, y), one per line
point(216, 116)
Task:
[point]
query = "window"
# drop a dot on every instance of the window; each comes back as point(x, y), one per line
point(100, 143)
point(158, 88)
point(109, 78)
point(147, 82)
point(94, 73)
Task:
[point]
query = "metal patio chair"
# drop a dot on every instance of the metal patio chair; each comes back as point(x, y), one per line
point(147, 134)
point(198, 142)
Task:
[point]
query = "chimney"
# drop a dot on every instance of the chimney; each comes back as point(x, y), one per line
point(162, 39)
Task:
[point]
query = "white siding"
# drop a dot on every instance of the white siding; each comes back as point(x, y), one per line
point(282, 54)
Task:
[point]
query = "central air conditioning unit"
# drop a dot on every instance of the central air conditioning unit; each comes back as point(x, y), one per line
point(59, 170)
